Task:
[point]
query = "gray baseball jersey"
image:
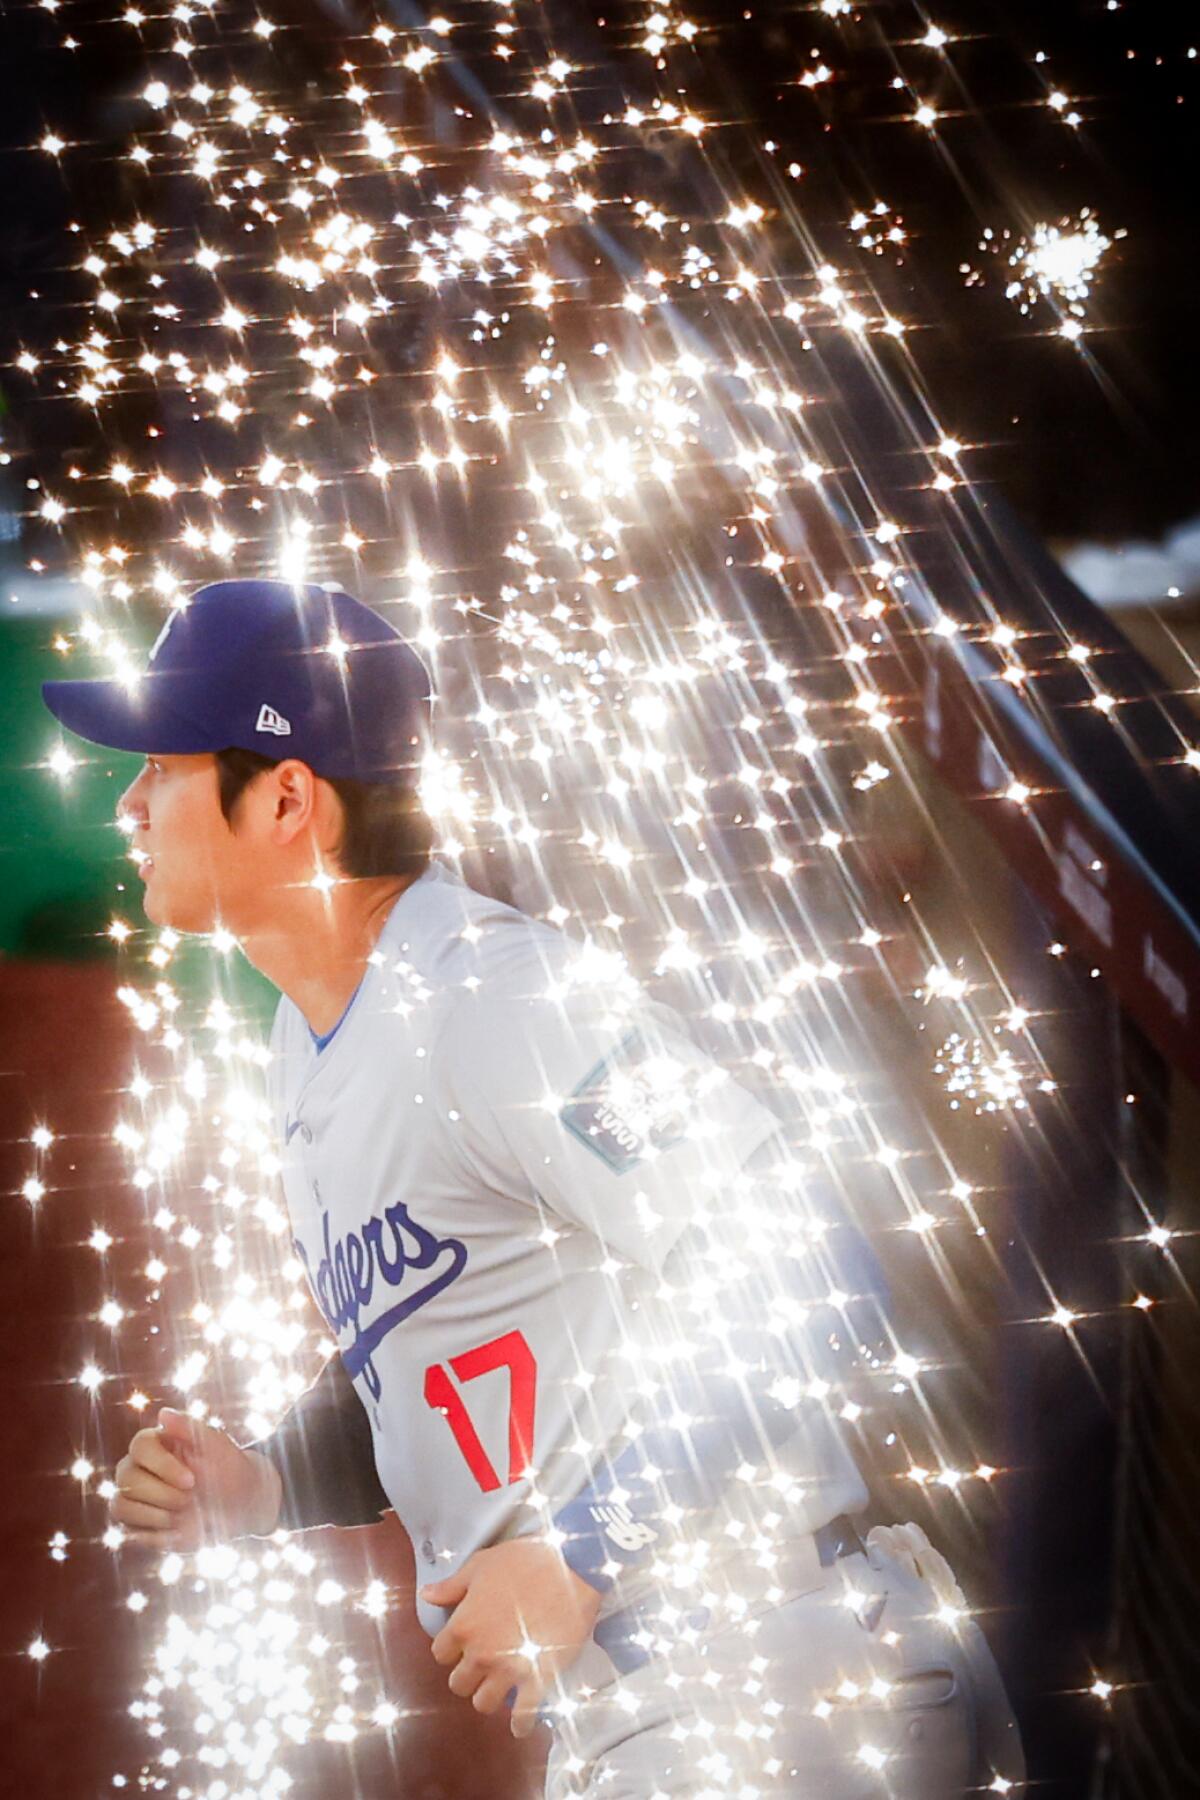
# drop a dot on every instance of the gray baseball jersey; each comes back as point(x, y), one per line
point(486, 1169)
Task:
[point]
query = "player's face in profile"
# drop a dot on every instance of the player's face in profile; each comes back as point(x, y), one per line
point(195, 868)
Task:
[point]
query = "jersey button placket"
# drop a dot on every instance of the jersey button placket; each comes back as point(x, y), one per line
point(304, 1132)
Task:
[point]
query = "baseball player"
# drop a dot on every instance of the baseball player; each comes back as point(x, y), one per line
point(588, 1348)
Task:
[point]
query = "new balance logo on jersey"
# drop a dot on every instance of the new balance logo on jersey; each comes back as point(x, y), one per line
point(622, 1529)
point(270, 720)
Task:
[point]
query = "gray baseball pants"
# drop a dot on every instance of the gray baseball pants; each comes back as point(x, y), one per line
point(852, 1689)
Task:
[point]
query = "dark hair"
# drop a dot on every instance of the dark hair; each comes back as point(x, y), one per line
point(384, 831)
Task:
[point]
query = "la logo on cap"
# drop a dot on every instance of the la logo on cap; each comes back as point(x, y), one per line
point(270, 720)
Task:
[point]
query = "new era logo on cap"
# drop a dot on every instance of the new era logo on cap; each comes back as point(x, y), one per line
point(270, 720)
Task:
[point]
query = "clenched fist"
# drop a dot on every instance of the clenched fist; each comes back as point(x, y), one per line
point(185, 1483)
point(520, 1617)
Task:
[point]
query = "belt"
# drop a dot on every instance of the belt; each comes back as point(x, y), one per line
point(616, 1634)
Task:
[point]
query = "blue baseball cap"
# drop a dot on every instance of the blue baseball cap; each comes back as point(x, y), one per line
point(288, 671)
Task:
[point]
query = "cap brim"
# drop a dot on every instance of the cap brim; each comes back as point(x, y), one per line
point(120, 718)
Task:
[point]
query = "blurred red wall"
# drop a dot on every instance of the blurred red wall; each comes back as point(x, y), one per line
point(65, 1047)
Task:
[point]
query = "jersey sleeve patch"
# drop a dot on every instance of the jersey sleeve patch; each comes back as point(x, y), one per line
point(639, 1100)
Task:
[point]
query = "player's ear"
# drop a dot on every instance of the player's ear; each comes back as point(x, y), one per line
point(293, 800)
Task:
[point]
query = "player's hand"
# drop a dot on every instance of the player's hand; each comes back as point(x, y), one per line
point(508, 1599)
point(186, 1483)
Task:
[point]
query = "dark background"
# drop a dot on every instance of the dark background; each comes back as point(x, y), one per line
point(1099, 445)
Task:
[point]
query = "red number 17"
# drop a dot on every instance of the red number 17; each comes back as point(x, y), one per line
point(509, 1352)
